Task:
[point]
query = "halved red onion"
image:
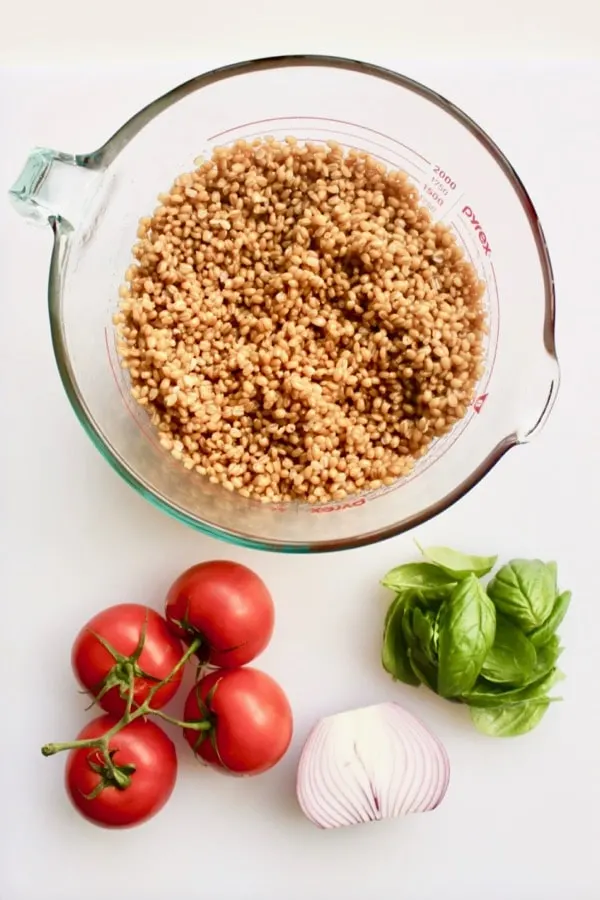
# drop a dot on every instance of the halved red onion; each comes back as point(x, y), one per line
point(377, 762)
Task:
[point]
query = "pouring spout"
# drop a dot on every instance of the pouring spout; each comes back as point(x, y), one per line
point(527, 434)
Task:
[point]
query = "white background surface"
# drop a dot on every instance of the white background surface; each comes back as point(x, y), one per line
point(520, 817)
point(66, 30)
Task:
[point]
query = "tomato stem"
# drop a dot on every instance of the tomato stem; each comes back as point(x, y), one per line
point(129, 695)
point(99, 743)
point(130, 715)
point(145, 708)
point(204, 725)
point(51, 749)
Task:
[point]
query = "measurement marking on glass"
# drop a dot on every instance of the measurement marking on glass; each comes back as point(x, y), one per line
point(464, 244)
point(318, 119)
point(392, 163)
point(493, 302)
point(451, 208)
point(496, 333)
point(476, 225)
point(440, 192)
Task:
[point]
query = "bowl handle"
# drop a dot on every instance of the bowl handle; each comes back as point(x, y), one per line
point(55, 187)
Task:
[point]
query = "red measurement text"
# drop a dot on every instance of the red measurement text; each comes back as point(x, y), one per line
point(468, 212)
point(478, 402)
point(434, 196)
point(444, 177)
point(327, 509)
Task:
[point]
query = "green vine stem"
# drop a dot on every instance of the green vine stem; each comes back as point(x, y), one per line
point(130, 715)
point(192, 726)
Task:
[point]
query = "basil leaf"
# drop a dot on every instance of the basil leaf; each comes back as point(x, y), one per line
point(546, 658)
point(490, 696)
point(524, 590)
point(540, 635)
point(458, 565)
point(407, 629)
point(467, 627)
point(509, 721)
point(394, 653)
point(423, 668)
point(399, 598)
point(430, 580)
point(424, 629)
point(512, 657)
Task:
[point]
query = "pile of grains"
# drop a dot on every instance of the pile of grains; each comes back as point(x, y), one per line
point(295, 325)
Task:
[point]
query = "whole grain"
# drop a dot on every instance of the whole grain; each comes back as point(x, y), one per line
point(296, 325)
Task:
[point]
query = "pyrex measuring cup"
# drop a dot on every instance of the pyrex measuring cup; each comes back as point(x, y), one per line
point(93, 201)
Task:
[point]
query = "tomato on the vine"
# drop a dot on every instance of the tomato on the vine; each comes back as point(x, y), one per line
point(227, 606)
point(124, 642)
point(250, 720)
point(138, 782)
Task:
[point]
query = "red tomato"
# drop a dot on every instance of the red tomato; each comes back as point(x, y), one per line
point(141, 744)
point(227, 606)
point(121, 627)
point(250, 716)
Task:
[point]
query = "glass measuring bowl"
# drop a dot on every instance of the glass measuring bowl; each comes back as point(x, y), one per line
point(93, 201)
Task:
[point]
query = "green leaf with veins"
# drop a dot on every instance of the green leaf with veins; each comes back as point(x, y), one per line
point(487, 695)
point(399, 598)
point(509, 721)
point(540, 635)
point(458, 565)
point(424, 629)
point(423, 668)
point(467, 626)
point(394, 653)
point(546, 658)
point(524, 591)
point(431, 581)
point(407, 628)
point(512, 657)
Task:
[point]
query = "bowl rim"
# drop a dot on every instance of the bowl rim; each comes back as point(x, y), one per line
point(101, 159)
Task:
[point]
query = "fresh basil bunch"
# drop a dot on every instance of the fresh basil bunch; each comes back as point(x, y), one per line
point(495, 649)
